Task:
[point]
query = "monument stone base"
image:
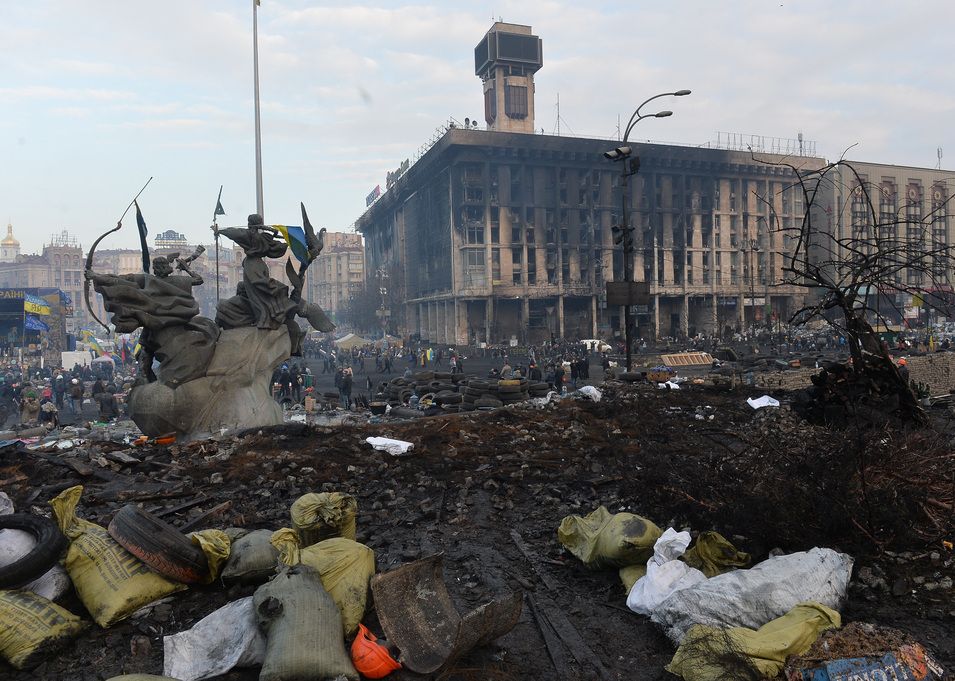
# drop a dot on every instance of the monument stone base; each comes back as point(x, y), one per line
point(236, 391)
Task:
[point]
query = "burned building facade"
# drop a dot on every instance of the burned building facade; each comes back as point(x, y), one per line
point(503, 235)
point(493, 236)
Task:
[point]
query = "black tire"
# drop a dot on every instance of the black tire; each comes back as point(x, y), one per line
point(163, 548)
point(477, 384)
point(631, 376)
point(50, 545)
point(509, 389)
point(405, 413)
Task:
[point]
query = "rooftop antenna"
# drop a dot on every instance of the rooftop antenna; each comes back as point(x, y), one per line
point(799, 136)
point(938, 152)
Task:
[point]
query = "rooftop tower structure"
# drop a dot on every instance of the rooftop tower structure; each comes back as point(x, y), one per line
point(506, 60)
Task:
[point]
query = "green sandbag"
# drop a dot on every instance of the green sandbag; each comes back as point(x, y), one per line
point(303, 629)
point(715, 654)
point(602, 539)
point(344, 566)
point(253, 558)
point(713, 554)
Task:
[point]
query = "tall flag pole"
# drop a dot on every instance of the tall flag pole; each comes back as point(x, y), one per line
point(260, 208)
point(215, 223)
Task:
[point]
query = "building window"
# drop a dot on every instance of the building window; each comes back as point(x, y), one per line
point(515, 101)
point(531, 267)
point(496, 266)
point(475, 231)
point(517, 271)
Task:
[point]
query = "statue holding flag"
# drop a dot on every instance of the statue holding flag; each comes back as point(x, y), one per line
point(260, 300)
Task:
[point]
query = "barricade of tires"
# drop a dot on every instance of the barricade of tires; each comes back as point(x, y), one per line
point(441, 392)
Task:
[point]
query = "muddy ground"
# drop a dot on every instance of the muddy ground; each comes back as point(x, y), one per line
point(478, 485)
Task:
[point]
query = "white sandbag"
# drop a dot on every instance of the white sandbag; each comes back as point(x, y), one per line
point(590, 392)
point(751, 598)
point(227, 638)
point(15, 544)
point(665, 574)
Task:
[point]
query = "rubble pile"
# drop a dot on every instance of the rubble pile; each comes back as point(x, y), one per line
point(488, 490)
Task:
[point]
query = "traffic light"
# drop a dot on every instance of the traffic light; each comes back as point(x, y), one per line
point(622, 235)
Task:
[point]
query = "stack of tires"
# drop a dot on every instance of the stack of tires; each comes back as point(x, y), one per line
point(538, 389)
point(491, 394)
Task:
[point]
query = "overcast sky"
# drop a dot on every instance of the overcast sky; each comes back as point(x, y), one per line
point(97, 95)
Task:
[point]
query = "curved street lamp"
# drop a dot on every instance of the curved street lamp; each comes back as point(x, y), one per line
point(628, 169)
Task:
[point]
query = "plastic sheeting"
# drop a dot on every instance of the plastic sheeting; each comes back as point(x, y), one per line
point(751, 598)
point(665, 573)
point(228, 637)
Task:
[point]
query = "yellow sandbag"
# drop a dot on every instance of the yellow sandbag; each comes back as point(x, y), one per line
point(602, 539)
point(713, 554)
point(216, 546)
point(714, 653)
point(630, 574)
point(324, 515)
point(344, 566)
point(32, 627)
point(111, 582)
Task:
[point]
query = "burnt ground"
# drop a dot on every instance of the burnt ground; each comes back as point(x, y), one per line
point(764, 479)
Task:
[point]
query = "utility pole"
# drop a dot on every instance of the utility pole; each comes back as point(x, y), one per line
point(259, 201)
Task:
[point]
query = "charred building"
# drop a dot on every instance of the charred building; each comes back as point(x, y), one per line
point(500, 234)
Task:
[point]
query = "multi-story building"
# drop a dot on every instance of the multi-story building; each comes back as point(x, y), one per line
point(338, 273)
point(494, 235)
point(907, 205)
point(59, 266)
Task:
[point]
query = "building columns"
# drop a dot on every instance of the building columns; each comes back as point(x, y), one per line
point(685, 316)
point(560, 316)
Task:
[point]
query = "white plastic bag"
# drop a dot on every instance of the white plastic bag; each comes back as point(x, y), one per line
point(665, 574)
point(393, 447)
point(590, 392)
point(227, 638)
point(15, 544)
point(760, 402)
point(751, 598)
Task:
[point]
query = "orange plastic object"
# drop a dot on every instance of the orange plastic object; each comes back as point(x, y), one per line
point(370, 658)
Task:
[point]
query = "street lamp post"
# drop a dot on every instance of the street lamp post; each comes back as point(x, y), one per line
point(623, 233)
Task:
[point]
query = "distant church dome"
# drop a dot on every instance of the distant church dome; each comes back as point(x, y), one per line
point(9, 240)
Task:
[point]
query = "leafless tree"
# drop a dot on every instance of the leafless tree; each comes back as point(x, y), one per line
point(856, 272)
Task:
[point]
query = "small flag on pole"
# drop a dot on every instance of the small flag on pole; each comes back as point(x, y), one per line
point(141, 223)
point(295, 238)
point(219, 209)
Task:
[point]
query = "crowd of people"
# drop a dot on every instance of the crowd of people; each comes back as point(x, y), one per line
point(45, 396)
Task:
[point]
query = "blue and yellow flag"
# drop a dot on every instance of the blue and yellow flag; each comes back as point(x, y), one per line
point(35, 305)
point(95, 346)
point(295, 238)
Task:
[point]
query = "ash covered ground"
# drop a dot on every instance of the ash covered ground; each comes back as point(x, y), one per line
point(489, 490)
